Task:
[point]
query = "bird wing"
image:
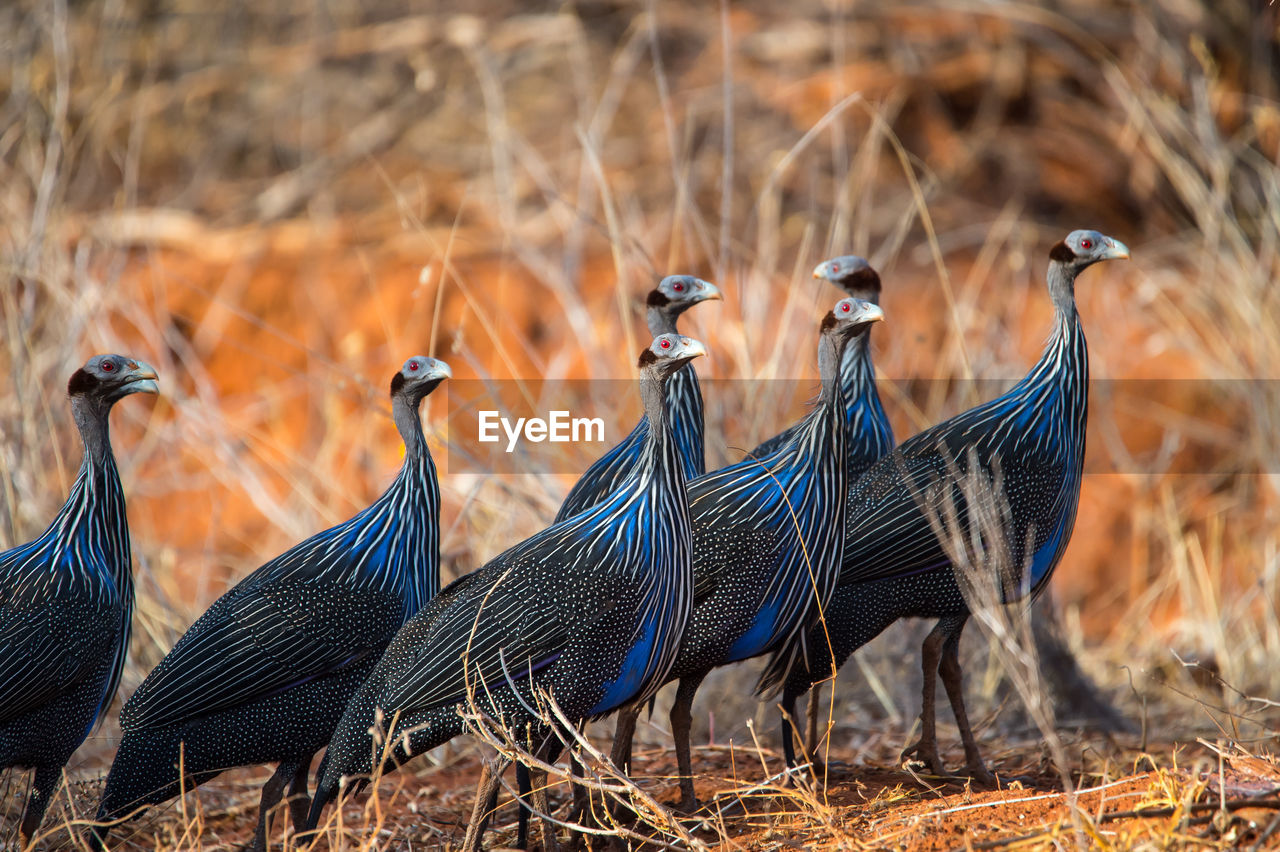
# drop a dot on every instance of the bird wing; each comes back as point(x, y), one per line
point(888, 528)
point(719, 505)
point(502, 620)
point(261, 640)
point(45, 651)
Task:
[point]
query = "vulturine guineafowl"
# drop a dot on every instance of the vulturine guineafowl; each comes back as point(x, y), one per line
point(895, 566)
point(66, 599)
point(591, 610)
point(870, 435)
point(263, 675)
point(767, 539)
point(674, 295)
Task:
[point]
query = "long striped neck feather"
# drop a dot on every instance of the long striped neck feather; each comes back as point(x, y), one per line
point(94, 511)
point(1065, 355)
point(857, 373)
point(416, 493)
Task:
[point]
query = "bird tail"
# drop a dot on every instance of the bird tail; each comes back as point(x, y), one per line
point(779, 667)
point(325, 793)
point(340, 759)
point(98, 838)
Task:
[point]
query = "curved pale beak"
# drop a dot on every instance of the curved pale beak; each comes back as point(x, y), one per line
point(708, 291)
point(871, 313)
point(692, 348)
point(439, 370)
point(1116, 250)
point(142, 378)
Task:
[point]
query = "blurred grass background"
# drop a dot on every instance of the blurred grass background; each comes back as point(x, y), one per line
point(277, 204)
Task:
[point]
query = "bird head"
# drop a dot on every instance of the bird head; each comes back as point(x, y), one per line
point(668, 352)
point(112, 377)
point(851, 274)
point(419, 376)
point(678, 293)
point(851, 317)
point(1085, 248)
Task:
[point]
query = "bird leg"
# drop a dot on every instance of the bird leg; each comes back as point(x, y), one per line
point(681, 720)
point(623, 734)
point(299, 801)
point(581, 808)
point(541, 805)
point(486, 790)
point(925, 749)
point(529, 793)
point(786, 726)
point(952, 682)
point(581, 802)
point(812, 740)
point(524, 787)
point(272, 791)
point(7, 838)
point(620, 755)
point(43, 783)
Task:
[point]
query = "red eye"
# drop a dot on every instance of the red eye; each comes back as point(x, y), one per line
point(846, 307)
point(664, 343)
point(678, 286)
point(1086, 243)
point(835, 267)
point(108, 367)
point(413, 366)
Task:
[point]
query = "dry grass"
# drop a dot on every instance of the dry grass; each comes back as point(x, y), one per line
point(277, 207)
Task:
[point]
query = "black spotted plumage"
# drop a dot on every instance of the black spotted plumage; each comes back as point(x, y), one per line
point(1032, 439)
point(66, 600)
point(767, 540)
point(590, 609)
point(262, 676)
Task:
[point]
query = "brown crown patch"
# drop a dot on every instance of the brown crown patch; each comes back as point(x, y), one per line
point(1062, 253)
point(865, 279)
point(81, 382)
point(647, 357)
point(397, 383)
point(657, 299)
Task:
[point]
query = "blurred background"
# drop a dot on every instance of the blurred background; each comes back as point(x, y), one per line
point(276, 204)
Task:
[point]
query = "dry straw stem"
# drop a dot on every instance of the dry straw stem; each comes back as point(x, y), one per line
point(981, 552)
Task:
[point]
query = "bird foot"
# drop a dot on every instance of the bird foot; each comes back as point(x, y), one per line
point(813, 765)
point(793, 776)
point(926, 756)
point(820, 770)
point(979, 773)
point(582, 812)
point(923, 754)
